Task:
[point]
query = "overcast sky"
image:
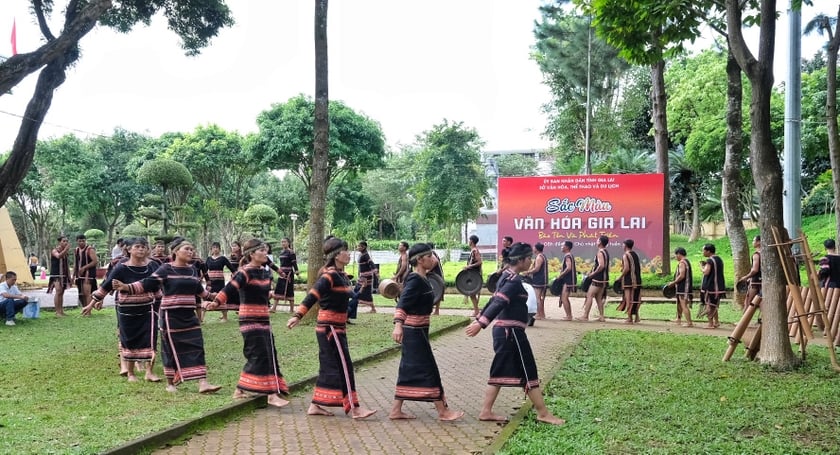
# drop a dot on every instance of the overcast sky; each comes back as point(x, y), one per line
point(407, 65)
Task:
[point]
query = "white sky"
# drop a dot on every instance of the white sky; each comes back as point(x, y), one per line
point(406, 64)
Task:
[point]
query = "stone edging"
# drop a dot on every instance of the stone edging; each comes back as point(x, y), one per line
point(158, 439)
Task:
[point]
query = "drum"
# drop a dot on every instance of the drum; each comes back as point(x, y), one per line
point(468, 282)
point(492, 280)
point(438, 285)
point(585, 283)
point(556, 287)
point(669, 292)
point(742, 286)
point(389, 289)
point(618, 288)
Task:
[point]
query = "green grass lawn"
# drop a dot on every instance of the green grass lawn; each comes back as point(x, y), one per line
point(61, 392)
point(643, 392)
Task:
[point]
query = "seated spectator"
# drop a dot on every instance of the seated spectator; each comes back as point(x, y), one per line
point(13, 301)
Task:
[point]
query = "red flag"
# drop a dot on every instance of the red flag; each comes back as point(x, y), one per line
point(14, 38)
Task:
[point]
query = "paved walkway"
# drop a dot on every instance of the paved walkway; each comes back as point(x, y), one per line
point(464, 364)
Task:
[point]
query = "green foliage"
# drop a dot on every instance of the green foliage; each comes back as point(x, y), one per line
point(94, 235)
point(516, 165)
point(165, 173)
point(260, 214)
point(820, 200)
point(453, 182)
point(286, 131)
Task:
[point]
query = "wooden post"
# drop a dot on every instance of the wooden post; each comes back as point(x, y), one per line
point(741, 327)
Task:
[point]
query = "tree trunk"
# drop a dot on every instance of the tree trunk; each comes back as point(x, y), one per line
point(660, 139)
point(56, 54)
point(767, 173)
point(695, 214)
point(831, 119)
point(732, 186)
point(320, 159)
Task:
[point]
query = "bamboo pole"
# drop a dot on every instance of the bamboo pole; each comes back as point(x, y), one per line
point(741, 327)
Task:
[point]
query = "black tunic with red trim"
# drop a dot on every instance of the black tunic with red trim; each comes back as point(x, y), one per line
point(418, 378)
point(261, 373)
point(514, 364)
point(336, 383)
point(216, 271)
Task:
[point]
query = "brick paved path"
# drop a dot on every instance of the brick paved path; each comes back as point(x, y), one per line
point(464, 364)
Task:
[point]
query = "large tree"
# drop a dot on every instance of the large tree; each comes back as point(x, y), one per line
point(196, 22)
point(453, 184)
point(646, 32)
point(830, 26)
point(319, 163)
point(767, 173)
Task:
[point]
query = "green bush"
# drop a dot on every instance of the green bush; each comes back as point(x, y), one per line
point(819, 201)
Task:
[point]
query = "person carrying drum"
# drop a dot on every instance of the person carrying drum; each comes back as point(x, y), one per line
point(568, 279)
point(753, 277)
point(600, 276)
point(683, 284)
point(474, 263)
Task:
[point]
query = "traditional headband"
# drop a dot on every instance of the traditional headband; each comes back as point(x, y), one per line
point(177, 244)
point(254, 248)
point(525, 252)
point(334, 252)
point(420, 254)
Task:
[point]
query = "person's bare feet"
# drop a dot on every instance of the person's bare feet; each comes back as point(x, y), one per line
point(401, 416)
point(551, 419)
point(239, 394)
point(171, 388)
point(132, 377)
point(277, 401)
point(601, 319)
point(315, 410)
point(361, 413)
point(151, 377)
point(208, 388)
point(492, 418)
point(689, 325)
point(582, 319)
point(450, 415)
point(567, 318)
point(628, 321)
point(60, 315)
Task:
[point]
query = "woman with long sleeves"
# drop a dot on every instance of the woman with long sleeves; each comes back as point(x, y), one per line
point(285, 289)
point(336, 384)
point(261, 373)
point(514, 364)
point(216, 264)
point(418, 378)
point(182, 346)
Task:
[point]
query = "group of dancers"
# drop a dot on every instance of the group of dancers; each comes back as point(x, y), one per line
point(166, 292)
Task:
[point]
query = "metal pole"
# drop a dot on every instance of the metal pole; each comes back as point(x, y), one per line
point(793, 126)
point(587, 154)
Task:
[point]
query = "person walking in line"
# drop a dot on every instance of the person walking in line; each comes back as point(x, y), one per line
point(182, 346)
point(753, 277)
point(59, 274)
point(136, 315)
point(84, 269)
point(285, 289)
point(539, 278)
point(631, 281)
point(336, 383)
point(216, 264)
point(261, 373)
point(714, 284)
point(514, 364)
point(474, 263)
point(366, 278)
point(568, 278)
point(600, 276)
point(402, 263)
point(33, 264)
point(418, 378)
point(683, 284)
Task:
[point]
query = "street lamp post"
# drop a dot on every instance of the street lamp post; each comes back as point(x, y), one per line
point(294, 217)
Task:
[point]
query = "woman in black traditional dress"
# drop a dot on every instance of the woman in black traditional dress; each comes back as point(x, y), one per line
point(336, 384)
point(216, 264)
point(261, 373)
point(419, 377)
point(182, 348)
point(136, 315)
point(285, 289)
point(514, 364)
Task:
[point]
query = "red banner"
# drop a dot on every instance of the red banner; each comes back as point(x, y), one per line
point(580, 208)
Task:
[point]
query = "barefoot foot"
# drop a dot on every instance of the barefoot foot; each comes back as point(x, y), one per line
point(277, 401)
point(151, 377)
point(401, 416)
point(209, 388)
point(449, 416)
point(132, 377)
point(171, 388)
point(551, 419)
point(492, 418)
point(361, 413)
point(315, 410)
